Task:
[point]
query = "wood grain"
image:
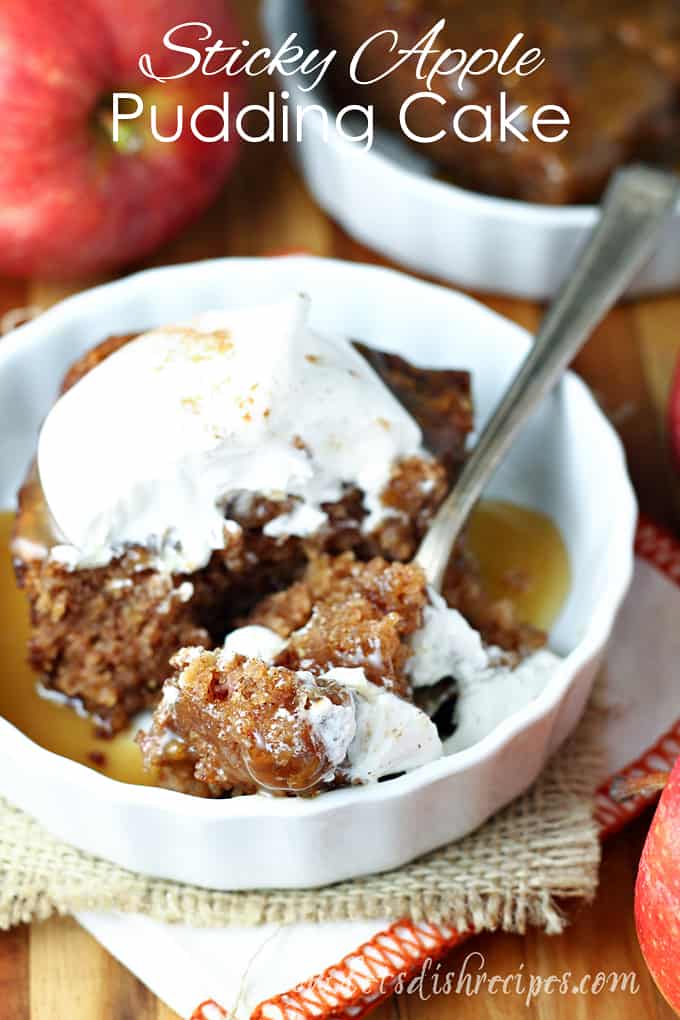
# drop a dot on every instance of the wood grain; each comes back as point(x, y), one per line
point(54, 971)
point(14, 973)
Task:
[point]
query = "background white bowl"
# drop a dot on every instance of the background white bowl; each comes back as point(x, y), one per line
point(568, 463)
point(389, 199)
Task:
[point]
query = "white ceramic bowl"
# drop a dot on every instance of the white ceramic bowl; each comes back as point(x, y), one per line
point(389, 199)
point(568, 463)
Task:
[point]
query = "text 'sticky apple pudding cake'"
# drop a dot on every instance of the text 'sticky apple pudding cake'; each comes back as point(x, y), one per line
point(219, 528)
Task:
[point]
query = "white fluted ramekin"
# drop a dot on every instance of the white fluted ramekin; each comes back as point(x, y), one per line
point(568, 463)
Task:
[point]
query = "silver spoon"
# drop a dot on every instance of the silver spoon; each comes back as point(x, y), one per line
point(635, 209)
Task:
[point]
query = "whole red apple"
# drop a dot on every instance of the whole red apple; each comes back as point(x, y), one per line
point(72, 201)
point(674, 416)
point(657, 894)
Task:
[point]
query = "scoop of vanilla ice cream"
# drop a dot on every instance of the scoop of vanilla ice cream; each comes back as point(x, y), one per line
point(254, 642)
point(387, 734)
point(334, 726)
point(444, 646)
point(489, 696)
point(488, 689)
point(149, 446)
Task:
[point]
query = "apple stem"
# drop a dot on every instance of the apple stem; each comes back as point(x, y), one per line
point(625, 787)
point(130, 139)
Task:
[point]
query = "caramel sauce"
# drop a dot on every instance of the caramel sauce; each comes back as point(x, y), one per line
point(520, 552)
point(522, 558)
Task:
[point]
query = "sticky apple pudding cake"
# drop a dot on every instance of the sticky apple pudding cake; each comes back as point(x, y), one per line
point(218, 527)
point(317, 689)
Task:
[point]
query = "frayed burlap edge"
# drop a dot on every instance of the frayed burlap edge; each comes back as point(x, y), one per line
point(509, 874)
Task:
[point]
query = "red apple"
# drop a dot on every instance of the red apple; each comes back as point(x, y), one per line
point(674, 416)
point(657, 894)
point(72, 201)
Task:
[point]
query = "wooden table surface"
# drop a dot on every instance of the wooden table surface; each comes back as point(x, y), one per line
point(54, 971)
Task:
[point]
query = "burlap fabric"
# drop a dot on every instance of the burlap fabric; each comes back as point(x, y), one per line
point(509, 874)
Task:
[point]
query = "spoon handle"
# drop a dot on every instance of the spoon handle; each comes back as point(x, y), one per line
point(634, 211)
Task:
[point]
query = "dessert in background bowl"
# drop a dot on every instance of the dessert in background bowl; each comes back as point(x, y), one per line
point(505, 235)
point(332, 657)
point(614, 66)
